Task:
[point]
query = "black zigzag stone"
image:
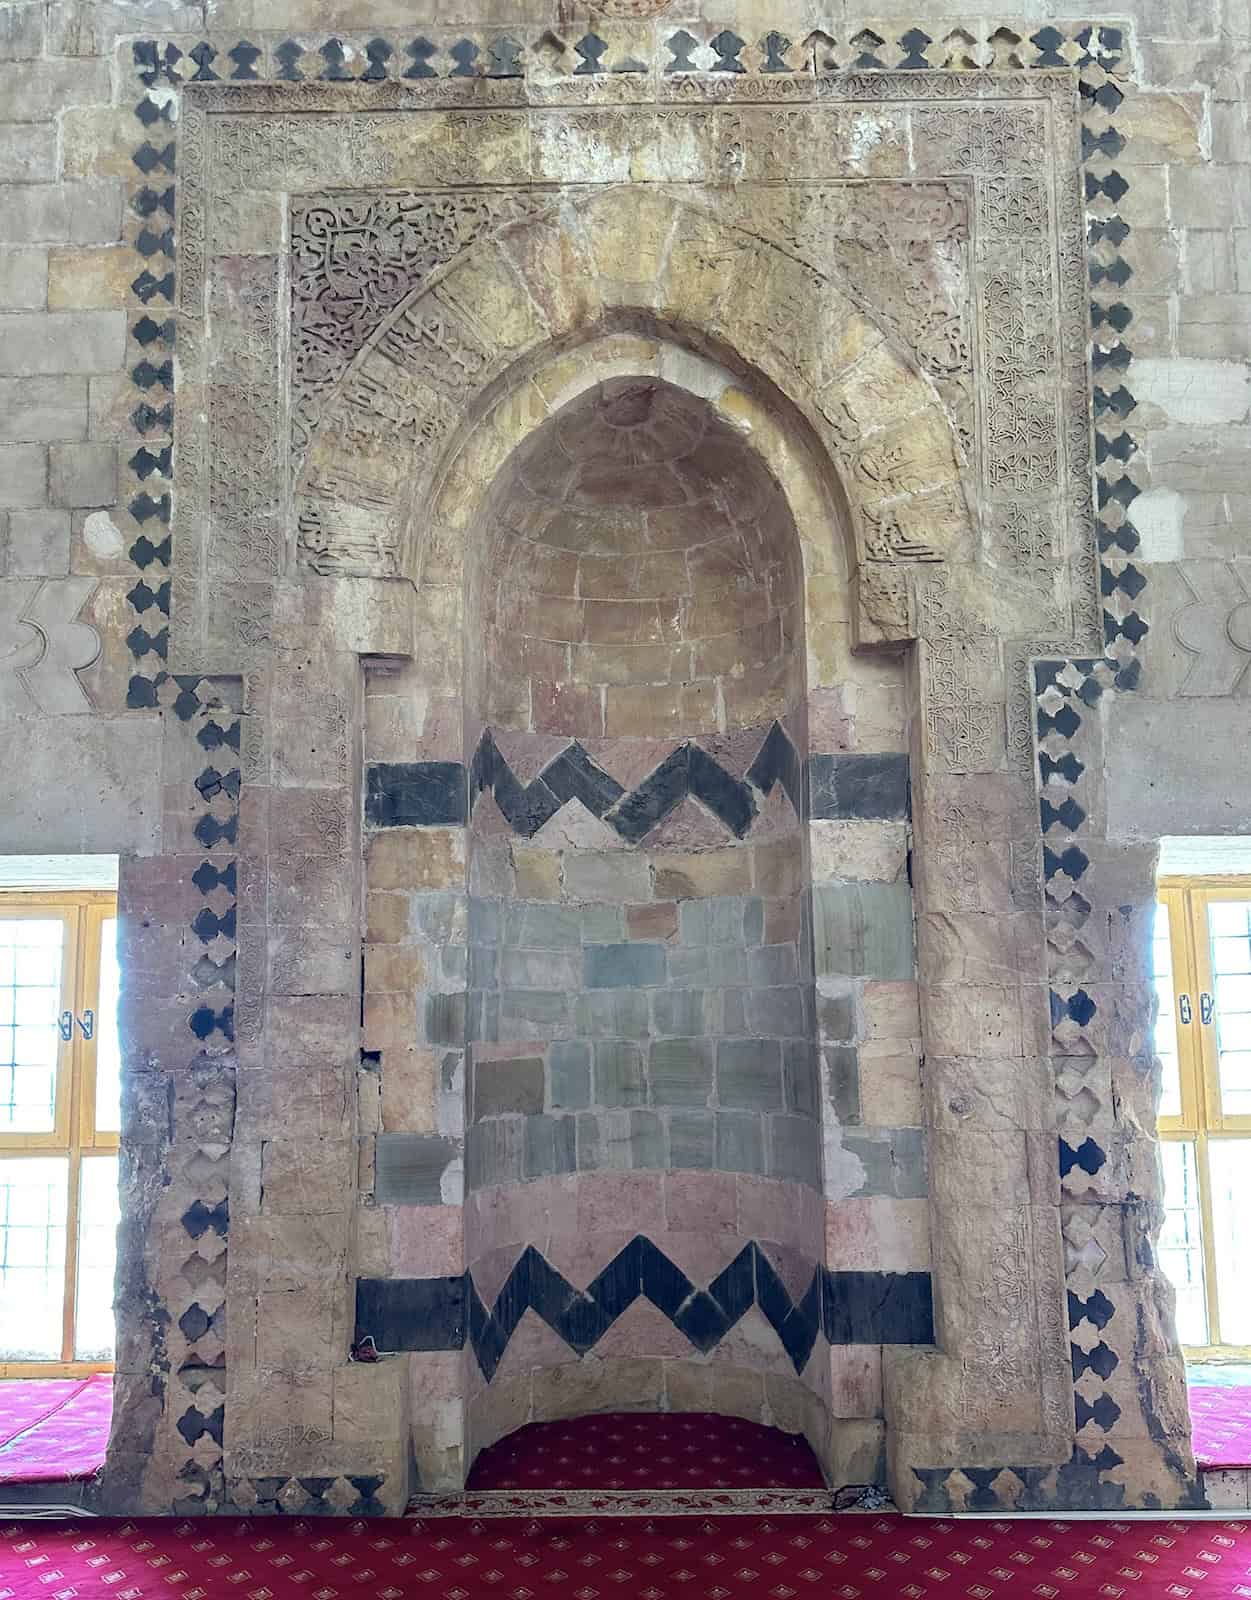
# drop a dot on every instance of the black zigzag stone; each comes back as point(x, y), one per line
point(574, 776)
point(397, 1311)
point(849, 1307)
point(414, 794)
point(878, 1308)
point(661, 792)
point(863, 787)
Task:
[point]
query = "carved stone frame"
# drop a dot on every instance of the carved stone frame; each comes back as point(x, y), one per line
point(1012, 579)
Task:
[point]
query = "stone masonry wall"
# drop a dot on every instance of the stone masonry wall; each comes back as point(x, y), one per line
point(107, 752)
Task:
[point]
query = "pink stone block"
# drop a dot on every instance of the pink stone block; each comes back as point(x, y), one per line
point(581, 1257)
point(425, 1241)
point(875, 1233)
point(434, 1375)
point(752, 1343)
point(611, 1200)
point(700, 1255)
point(701, 1202)
point(642, 1330)
point(490, 1271)
point(534, 1347)
point(831, 726)
point(856, 1380)
point(781, 1212)
point(794, 1267)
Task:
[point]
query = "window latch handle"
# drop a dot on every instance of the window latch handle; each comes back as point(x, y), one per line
point(1207, 1009)
point(65, 1022)
point(87, 1022)
point(1183, 1008)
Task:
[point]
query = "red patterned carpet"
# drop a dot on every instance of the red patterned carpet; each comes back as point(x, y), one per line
point(53, 1428)
point(827, 1558)
point(1221, 1418)
point(647, 1450)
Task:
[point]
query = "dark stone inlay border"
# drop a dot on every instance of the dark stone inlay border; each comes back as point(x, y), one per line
point(414, 794)
point(848, 1307)
point(860, 787)
point(433, 793)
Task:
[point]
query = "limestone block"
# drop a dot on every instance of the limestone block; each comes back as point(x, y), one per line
point(23, 477)
point(83, 279)
point(23, 272)
point(27, 152)
point(305, 1177)
point(38, 544)
point(83, 474)
point(98, 141)
point(855, 1380)
point(371, 1403)
point(416, 859)
point(857, 1452)
point(876, 851)
point(66, 341)
point(75, 213)
point(21, 32)
point(294, 1331)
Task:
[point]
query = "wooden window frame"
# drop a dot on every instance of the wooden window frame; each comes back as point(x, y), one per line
point(74, 1134)
point(1202, 1119)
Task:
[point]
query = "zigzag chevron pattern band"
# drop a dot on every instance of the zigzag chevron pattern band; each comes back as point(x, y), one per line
point(847, 1307)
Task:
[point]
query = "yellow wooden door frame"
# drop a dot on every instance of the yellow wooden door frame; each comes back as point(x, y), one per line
point(74, 1136)
point(1203, 1118)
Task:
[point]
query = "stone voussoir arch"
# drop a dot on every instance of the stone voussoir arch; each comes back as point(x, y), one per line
point(449, 365)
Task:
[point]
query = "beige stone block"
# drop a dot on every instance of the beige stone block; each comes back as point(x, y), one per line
point(857, 1452)
point(27, 152)
point(63, 342)
point(410, 1080)
point(660, 710)
point(537, 873)
point(304, 1102)
point(701, 873)
point(891, 1012)
point(778, 868)
point(856, 1380)
point(874, 851)
point(23, 279)
point(972, 1019)
point(794, 1408)
point(306, 1177)
point(972, 947)
point(1162, 129)
point(98, 142)
point(390, 1021)
point(90, 279)
point(371, 1402)
point(294, 1331)
point(386, 917)
point(718, 1386)
point(394, 969)
point(998, 1158)
point(264, 1410)
point(890, 1086)
point(486, 288)
point(369, 1242)
point(416, 858)
point(629, 232)
point(994, 1093)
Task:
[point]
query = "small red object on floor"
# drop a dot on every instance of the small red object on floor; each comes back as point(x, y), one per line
point(1220, 1415)
point(648, 1450)
point(53, 1429)
point(693, 1558)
